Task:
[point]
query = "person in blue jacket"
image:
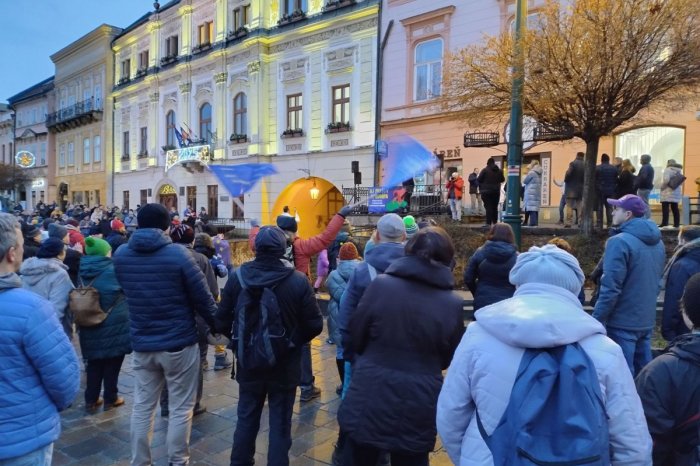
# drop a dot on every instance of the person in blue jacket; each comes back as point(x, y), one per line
point(684, 264)
point(633, 263)
point(39, 372)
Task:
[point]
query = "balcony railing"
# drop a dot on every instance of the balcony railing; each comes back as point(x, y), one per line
point(426, 199)
point(81, 113)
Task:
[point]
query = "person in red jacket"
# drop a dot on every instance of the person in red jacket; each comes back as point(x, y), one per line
point(299, 252)
point(455, 187)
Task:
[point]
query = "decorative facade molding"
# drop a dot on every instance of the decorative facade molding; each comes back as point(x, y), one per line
point(323, 36)
point(293, 70)
point(172, 96)
point(185, 88)
point(203, 88)
point(341, 59)
point(221, 78)
point(254, 66)
point(155, 97)
point(241, 76)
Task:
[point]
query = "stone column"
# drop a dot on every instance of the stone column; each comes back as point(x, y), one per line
point(186, 45)
point(185, 116)
point(154, 123)
point(257, 103)
point(155, 51)
point(221, 20)
point(221, 104)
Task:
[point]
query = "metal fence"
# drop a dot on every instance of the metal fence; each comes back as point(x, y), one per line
point(425, 199)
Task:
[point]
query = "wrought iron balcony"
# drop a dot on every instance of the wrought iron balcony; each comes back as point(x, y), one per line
point(83, 113)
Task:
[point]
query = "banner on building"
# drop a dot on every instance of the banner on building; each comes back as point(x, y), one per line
point(386, 200)
point(200, 154)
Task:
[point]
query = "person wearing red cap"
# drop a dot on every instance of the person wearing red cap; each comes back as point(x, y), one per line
point(118, 235)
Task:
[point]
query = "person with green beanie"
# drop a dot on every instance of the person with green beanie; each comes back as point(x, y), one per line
point(411, 226)
point(105, 345)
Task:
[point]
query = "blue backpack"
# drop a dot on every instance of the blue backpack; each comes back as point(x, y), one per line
point(260, 337)
point(555, 416)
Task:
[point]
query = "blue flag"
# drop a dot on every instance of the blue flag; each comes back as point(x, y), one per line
point(239, 179)
point(406, 158)
point(179, 137)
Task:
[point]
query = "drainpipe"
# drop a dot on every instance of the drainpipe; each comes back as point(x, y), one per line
point(114, 72)
point(12, 156)
point(381, 45)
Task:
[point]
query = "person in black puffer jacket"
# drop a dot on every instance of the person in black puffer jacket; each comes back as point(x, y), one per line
point(404, 333)
point(669, 388)
point(490, 180)
point(486, 275)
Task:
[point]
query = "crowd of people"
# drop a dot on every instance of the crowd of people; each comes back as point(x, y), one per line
point(397, 325)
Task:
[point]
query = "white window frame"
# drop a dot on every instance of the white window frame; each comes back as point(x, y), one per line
point(429, 65)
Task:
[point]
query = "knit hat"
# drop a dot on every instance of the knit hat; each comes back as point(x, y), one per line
point(153, 216)
point(116, 225)
point(691, 300)
point(270, 241)
point(348, 252)
point(549, 265)
point(50, 248)
point(57, 230)
point(287, 223)
point(630, 202)
point(411, 225)
point(182, 234)
point(391, 228)
point(203, 240)
point(96, 246)
point(29, 231)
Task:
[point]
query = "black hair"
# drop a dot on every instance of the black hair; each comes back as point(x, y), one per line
point(432, 243)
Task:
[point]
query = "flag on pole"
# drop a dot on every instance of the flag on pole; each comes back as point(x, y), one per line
point(186, 136)
point(239, 179)
point(406, 158)
point(178, 135)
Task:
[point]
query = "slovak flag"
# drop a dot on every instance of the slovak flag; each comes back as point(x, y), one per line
point(179, 137)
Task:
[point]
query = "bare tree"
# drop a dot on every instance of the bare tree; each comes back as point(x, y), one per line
point(591, 64)
point(11, 177)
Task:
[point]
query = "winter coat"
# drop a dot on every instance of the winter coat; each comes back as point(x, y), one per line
point(486, 363)
point(404, 333)
point(164, 288)
point(31, 248)
point(686, 264)
point(379, 257)
point(72, 261)
point(669, 194)
point(116, 239)
point(297, 304)
point(341, 238)
point(455, 187)
point(49, 279)
point(223, 249)
point(645, 178)
point(336, 283)
point(633, 263)
point(487, 272)
point(322, 264)
point(473, 183)
point(533, 189)
point(490, 179)
point(625, 184)
point(305, 249)
point(130, 222)
point(574, 179)
point(39, 372)
point(606, 180)
point(110, 338)
point(669, 387)
point(205, 266)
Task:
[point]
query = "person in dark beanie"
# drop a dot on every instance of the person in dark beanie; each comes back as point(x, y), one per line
point(164, 290)
point(669, 387)
point(72, 259)
point(47, 276)
point(490, 179)
point(32, 240)
point(277, 384)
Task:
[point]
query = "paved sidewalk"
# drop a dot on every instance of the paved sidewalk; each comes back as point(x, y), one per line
point(103, 438)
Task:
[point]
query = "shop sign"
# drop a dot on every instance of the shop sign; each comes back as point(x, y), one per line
point(25, 159)
point(38, 183)
point(200, 154)
point(447, 154)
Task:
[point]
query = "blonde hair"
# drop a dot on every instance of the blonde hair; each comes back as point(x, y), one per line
point(627, 165)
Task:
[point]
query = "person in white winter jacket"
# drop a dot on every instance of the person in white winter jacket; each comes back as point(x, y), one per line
point(543, 313)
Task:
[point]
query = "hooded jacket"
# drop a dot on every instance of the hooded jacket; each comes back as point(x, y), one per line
point(304, 249)
point(685, 265)
point(299, 310)
point(379, 257)
point(39, 373)
point(669, 194)
point(110, 338)
point(533, 189)
point(164, 288)
point(486, 274)
point(645, 178)
point(455, 188)
point(49, 279)
point(669, 387)
point(574, 179)
point(486, 363)
point(490, 179)
point(633, 263)
point(336, 283)
point(404, 333)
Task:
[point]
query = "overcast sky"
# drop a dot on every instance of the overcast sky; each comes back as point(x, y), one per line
point(32, 30)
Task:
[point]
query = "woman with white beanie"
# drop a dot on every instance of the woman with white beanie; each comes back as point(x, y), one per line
point(544, 312)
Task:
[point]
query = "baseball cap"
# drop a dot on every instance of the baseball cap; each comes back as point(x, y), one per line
point(630, 202)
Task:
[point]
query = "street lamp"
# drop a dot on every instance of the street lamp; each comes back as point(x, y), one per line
point(314, 191)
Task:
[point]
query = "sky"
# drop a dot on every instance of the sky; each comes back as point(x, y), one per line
point(33, 30)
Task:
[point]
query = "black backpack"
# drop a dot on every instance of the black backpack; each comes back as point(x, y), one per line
point(260, 337)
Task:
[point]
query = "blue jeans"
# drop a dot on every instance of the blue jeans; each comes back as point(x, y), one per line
point(250, 405)
point(39, 457)
point(644, 194)
point(636, 346)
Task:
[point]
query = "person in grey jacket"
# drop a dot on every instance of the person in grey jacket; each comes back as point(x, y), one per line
point(47, 276)
point(670, 197)
point(533, 193)
point(633, 264)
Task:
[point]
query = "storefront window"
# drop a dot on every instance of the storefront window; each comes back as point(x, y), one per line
point(661, 142)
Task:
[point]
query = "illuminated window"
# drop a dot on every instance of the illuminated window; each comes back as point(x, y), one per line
point(240, 114)
point(206, 33)
point(171, 49)
point(427, 75)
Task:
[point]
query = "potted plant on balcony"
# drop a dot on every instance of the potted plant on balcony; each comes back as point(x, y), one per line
point(292, 133)
point(239, 32)
point(123, 80)
point(125, 157)
point(167, 147)
point(296, 15)
point(166, 60)
point(238, 138)
point(338, 127)
point(336, 4)
point(141, 72)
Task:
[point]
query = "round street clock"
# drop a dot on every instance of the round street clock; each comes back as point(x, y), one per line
point(25, 159)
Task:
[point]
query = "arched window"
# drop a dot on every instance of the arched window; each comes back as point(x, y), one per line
point(240, 114)
point(427, 73)
point(205, 122)
point(170, 129)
